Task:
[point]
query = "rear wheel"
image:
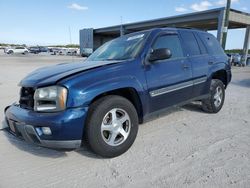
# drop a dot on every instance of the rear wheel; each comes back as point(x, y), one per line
point(25, 52)
point(215, 101)
point(112, 126)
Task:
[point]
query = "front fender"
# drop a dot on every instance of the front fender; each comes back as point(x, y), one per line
point(83, 95)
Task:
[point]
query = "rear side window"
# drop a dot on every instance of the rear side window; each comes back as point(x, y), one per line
point(201, 44)
point(171, 42)
point(212, 44)
point(190, 43)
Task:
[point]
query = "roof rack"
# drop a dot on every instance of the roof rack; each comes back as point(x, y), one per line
point(182, 27)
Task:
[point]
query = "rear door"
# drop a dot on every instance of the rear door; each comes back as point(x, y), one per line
point(169, 81)
point(199, 60)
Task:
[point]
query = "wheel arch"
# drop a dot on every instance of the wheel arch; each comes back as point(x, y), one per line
point(130, 94)
point(220, 75)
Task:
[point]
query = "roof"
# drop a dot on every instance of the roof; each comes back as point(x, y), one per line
point(204, 20)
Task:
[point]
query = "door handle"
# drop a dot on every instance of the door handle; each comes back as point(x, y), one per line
point(210, 62)
point(185, 66)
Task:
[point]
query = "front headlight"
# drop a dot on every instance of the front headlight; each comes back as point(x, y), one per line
point(50, 99)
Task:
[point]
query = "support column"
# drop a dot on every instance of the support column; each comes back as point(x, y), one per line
point(221, 22)
point(246, 46)
point(226, 24)
point(121, 30)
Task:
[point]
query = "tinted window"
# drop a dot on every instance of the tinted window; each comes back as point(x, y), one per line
point(171, 42)
point(201, 45)
point(212, 44)
point(190, 43)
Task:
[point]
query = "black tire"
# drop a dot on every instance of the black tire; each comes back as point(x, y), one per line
point(208, 105)
point(97, 112)
point(11, 52)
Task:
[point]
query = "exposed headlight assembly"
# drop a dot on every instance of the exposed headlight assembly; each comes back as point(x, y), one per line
point(50, 99)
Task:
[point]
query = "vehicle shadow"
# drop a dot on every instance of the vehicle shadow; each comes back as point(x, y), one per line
point(85, 151)
point(194, 107)
point(42, 151)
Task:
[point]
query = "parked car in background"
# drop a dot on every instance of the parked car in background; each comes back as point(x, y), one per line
point(17, 50)
point(230, 58)
point(86, 52)
point(34, 50)
point(6, 49)
point(68, 51)
point(72, 51)
point(54, 50)
point(38, 49)
point(63, 51)
point(248, 60)
point(236, 60)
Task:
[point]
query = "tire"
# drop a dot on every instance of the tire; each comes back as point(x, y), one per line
point(215, 101)
point(104, 118)
point(11, 52)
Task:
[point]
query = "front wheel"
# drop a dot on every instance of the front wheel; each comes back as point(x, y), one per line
point(11, 52)
point(215, 101)
point(111, 126)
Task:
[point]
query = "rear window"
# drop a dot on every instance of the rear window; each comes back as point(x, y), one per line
point(212, 44)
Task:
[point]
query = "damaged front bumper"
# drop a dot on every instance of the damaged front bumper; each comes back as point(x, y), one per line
point(66, 127)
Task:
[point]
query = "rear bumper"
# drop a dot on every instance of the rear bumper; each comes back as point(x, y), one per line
point(66, 127)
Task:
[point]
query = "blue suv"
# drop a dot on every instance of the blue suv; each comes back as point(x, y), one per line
point(125, 82)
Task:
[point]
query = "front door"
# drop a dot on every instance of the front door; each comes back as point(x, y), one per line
point(169, 81)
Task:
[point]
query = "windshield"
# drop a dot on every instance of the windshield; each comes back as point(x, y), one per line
point(123, 48)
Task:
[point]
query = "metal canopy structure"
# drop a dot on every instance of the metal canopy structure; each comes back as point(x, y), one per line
point(205, 20)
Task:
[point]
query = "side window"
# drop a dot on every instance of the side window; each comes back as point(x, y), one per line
point(171, 42)
point(190, 43)
point(201, 44)
point(212, 44)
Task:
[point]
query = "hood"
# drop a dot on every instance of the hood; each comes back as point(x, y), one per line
point(50, 75)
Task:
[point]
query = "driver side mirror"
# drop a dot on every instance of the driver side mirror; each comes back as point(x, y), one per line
point(160, 54)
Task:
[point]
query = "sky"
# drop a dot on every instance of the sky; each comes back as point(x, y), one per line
point(50, 22)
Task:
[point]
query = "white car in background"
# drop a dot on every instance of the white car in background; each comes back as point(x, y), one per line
point(68, 51)
point(17, 50)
